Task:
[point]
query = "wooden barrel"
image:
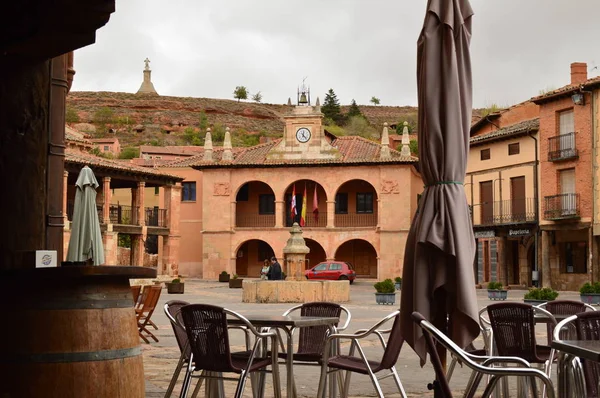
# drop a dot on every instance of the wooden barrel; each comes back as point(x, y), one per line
point(70, 332)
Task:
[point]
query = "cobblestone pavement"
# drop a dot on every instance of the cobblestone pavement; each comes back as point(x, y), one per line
point(161, 358)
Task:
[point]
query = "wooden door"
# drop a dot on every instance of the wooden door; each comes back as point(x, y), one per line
point(518, 202)
point(486, 198)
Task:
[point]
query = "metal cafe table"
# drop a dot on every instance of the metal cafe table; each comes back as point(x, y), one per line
point(567, 351)
point(286, 324)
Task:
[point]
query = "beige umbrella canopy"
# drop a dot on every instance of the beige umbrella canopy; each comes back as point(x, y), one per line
point(86, 238)
point(438, 278)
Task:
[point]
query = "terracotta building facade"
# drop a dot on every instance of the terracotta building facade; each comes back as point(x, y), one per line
point(236, 211)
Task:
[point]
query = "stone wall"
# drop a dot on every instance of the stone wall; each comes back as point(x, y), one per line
point(124, 256)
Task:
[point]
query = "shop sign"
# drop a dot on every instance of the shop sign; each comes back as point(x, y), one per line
point(513, 233)
point(485, 234)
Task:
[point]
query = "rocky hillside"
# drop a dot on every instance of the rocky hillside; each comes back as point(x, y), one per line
point(141, 119)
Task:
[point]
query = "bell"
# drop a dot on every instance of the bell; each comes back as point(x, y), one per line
point(303, 99)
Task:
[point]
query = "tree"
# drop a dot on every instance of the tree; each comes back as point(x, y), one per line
point(331, 107)
point(203, 121)
point(192, 137)
point(257, 97)
point(130, 152)
point(104, 115)
point(71, 115)
point(375, 101)
point(353, 110)
point(414, 147)
point(358, 125)
point(240, 93)
point(217, 133)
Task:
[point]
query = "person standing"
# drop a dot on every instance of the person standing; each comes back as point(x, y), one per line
point(265, 269)
point(274, 273)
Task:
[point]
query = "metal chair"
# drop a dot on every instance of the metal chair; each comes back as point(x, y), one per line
point(173, 312)
point(433, 335)
point(563, 307)
point(208, 336)
point(144, 313)
point(587, 325)
point(351, 363)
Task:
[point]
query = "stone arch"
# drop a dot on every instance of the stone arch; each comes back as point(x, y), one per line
point(361, 254)
point(250, 255)
point(356, 204)
point(311, 221)
point(317, 253)
point(255, 205)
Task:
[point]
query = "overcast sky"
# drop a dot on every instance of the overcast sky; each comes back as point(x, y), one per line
point(360, 48)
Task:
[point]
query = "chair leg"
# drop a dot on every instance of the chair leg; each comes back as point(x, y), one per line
point(175, 376)
point(143, 337)
point(186, 382)
point(241, 384)
point(322, 381)
point(451, 368)
point(153, 324)
point(376, 384)
point(347, 382)
point(398, 382)
point(198, 386)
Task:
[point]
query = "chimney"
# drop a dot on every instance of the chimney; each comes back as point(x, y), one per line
point(578, 72)
point(208, 147)
point(227, 154)
point(385, 142)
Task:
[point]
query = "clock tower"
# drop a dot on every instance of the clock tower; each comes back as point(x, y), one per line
point(303, 135)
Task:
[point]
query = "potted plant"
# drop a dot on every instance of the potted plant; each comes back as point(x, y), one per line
point(398, 282)
point(590, 293)
point(224, 277)
point(235, 282)
point(176, 286)
point(538, 295)
point(386, 292)
point(496, 291)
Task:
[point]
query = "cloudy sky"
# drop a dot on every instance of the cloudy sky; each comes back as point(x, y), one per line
point(360, 48)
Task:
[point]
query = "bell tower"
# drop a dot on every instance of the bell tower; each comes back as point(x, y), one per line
point(304, 135)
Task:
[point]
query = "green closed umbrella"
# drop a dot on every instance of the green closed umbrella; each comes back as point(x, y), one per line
point(86, 238)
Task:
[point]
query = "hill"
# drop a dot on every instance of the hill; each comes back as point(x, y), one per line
point(161, 120)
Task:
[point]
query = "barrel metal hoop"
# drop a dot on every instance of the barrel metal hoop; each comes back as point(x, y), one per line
point(66, 357)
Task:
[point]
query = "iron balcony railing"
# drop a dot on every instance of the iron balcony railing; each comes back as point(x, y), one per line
point(562, 147)
point(71, 207)
point(156, 217)
point(561, 207)
point(254, 220)
point(510, 211)
point(310, 222)
point(124, 215)
point(355, 220)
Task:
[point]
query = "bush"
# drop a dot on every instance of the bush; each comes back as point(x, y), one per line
point(545, 293)
point(224, 273)
point(589, 288)
point(129, 152)
point(176, 280)
point(386, 286)
point(235, 276)
point(495, 286)
point(398, 279)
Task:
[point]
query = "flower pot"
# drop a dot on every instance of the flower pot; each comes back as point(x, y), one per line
point(398, 285)
point(175, 288)
point(497, 294)
point(591, 298)
point(235, 283)
point(385, 298)
point(223, 277)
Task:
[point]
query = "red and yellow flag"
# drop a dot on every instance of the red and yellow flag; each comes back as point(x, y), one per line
point(316, 205)
point(293, 210)
point(303, 215)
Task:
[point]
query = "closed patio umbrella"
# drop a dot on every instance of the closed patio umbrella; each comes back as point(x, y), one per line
point(438, 278)
point(86, 238)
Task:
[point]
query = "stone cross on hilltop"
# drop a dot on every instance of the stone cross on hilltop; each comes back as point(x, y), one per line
point(147, 62)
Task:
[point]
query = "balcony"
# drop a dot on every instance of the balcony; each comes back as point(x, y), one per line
point(71, 207)
point(254, 220)
point(156, 217)
point(512, 211)
point(351, 220)
point(562, 147)
point(310, 221)
point(124, 215)
point(562, 207)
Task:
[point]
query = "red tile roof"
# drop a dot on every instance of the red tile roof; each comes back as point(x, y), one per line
point(76, 136)
point(565, 90)
point(187, 150)
point(111, 140)
point(506, 132)
point(352, 150)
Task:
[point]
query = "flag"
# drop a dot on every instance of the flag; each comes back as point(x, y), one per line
point(316, 205)
point(303, 215)
point(293, 210)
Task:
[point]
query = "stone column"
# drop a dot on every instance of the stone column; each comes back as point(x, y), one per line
point(295, 252)
point(233, 218)
point(137, 250)
point(171, 242)
point(134, 201)
point(140, 203)
point(545, 271)
point(107, 197)
point(110, 240)
point(65, 191)
point(279, 211)
point(502, 268)
point(330, 213)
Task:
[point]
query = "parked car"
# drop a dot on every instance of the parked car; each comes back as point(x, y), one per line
point(332, 270)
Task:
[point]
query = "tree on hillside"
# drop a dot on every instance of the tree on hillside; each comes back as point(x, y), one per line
point(331, 107)
point(71, 115)
point(257, 97)
point(358, 125)
point(130, 152)
point(202, 121)
point(375, 101)
point(103, 115)
point(240, 93)
point(217, 133)
point(353, 110)
point(192, 137)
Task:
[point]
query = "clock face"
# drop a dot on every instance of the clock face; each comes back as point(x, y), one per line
point(303, 134)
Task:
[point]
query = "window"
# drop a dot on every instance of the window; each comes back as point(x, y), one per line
point(266, 204)
point(320, 267)
point(574, 257)
point(188, 193)
point(485, 154)
point(566, 122)
point(105, 148)
point(335, 267)
point(364, 202)
point(341, 203)
point(156, 190)
point(242, 195)
point(514, 149)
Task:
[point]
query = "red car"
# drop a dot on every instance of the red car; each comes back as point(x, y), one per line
point(332, 270)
